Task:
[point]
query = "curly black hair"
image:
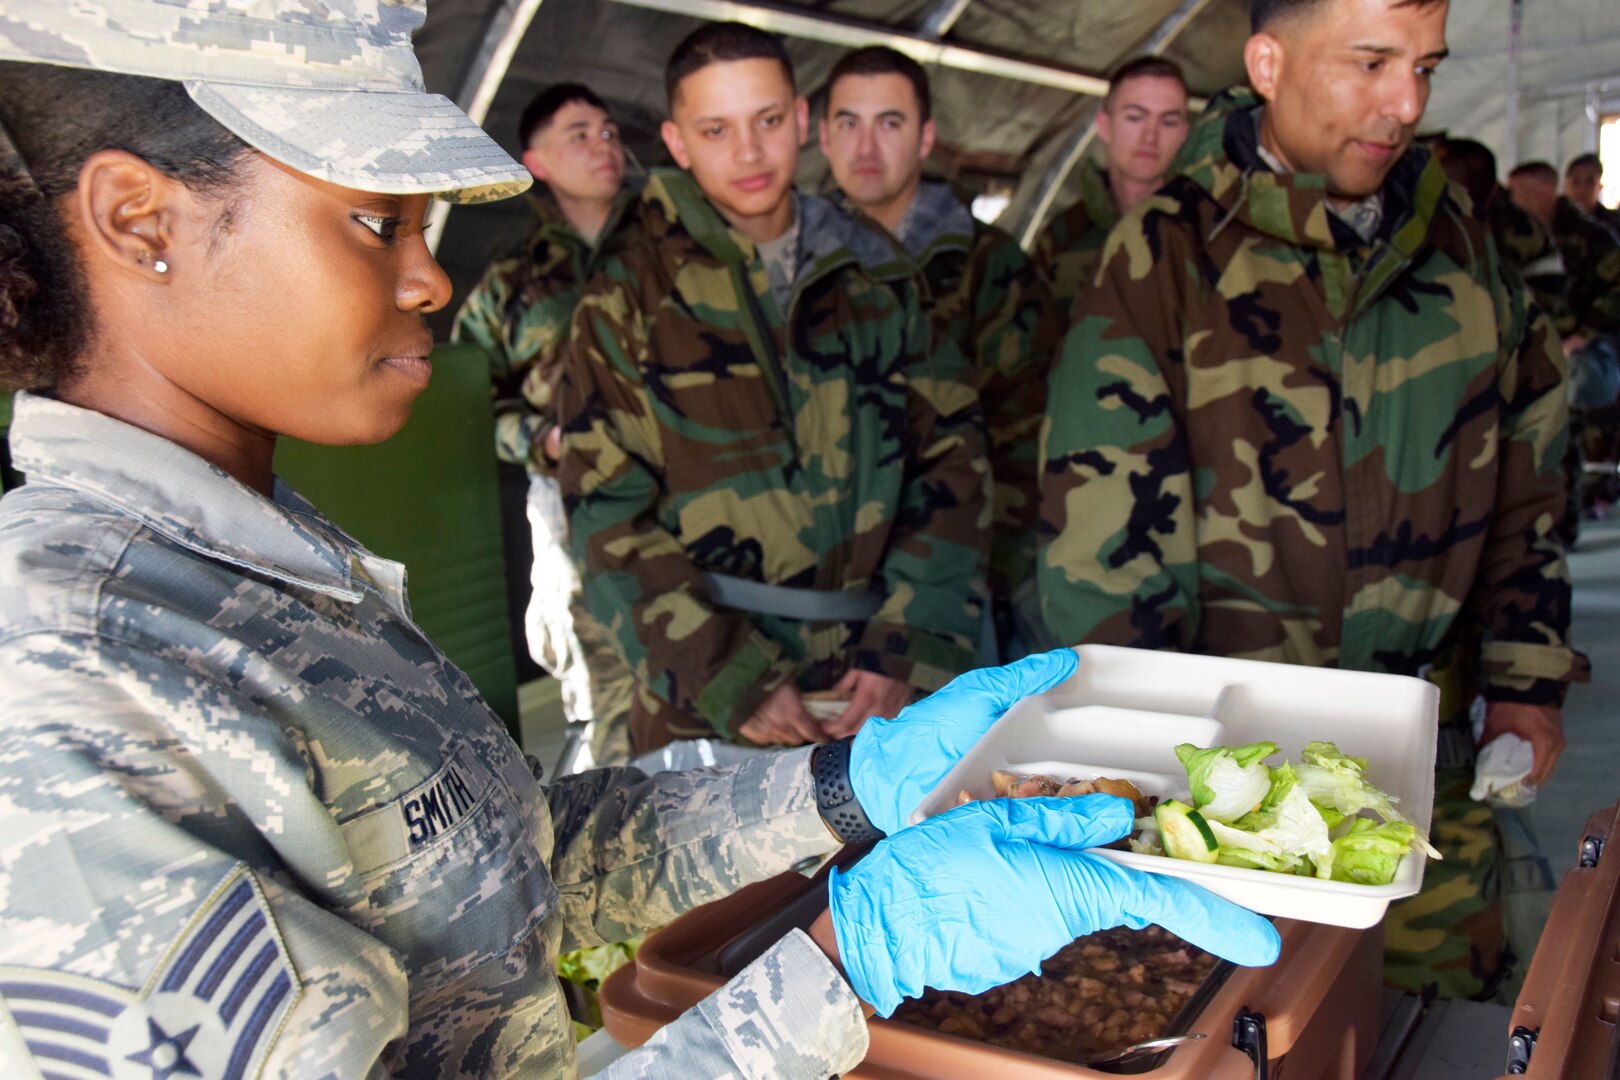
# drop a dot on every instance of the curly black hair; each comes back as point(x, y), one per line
point(57, 117)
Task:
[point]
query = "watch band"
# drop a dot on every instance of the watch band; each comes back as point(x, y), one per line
point(835, 796)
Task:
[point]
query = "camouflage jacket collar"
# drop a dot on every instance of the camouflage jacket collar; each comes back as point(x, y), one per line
point(936, 222)
point(828, 237)
point(1097, 196)
point(179, 495)
point(553, 229)
point(1222, 157)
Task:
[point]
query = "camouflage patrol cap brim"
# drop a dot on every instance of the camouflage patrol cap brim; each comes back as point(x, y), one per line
point(329, 87)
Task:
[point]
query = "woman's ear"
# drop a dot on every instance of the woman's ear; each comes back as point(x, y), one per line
point(128, 209)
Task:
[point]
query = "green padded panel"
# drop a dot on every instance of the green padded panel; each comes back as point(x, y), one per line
point(428, 498)
point(5, 451)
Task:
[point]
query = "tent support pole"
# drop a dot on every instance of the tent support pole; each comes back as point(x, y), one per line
point(798, 22)
point(1052, 181)
point(1510, 135)
point(942, 16)
point(507, 25)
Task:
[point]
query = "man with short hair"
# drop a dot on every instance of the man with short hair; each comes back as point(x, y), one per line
point(1142, 124)
point(1591, 252)
point(1583, 182)
point(520, 312)
point(1592, 255)
point(772, 491)
point(1520, 236)
point(989, 305)
point(1305, 416)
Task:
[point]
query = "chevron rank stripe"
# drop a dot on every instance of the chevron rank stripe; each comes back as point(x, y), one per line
point(212, 1008)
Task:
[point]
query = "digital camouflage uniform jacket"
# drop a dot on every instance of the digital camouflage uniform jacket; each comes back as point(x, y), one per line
point(992, 308)
point(252, 820)
point(1592, 258)
point(520, 312)
point(1268, 439)
point(1068, 250)
point(699, 435)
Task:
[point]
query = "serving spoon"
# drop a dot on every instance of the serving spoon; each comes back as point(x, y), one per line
point(1147, 1046)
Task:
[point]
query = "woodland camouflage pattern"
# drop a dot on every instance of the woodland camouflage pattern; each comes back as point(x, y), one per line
point(1223, 465)
point(852, 464)
point(218, 724)
point(329, 87)
point(520, 312)
point(992, 309)
point(1529, 246)
point(1592, 258)
point(1068, 250)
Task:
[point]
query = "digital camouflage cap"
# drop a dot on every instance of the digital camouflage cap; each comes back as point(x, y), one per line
point(331, 88)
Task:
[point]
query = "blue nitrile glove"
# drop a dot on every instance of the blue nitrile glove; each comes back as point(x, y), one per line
point(980, 895)
point(893, 764)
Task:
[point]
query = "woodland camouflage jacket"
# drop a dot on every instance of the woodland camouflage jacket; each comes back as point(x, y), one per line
point(520, 312)
point(994, 315)
point(1528, 244)
point(1068, 250)
point(1592, 258)
point(1268, 439)
point(707, 430)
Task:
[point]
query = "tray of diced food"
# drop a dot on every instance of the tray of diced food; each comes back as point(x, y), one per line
point(1298, 792)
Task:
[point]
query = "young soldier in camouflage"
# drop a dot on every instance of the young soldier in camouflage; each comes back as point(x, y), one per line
point(520, 312)
point(1591, 252)
point(769, 490)
point(1583, 182)
point(1306, 416)
point(252, 823)
point(990, 308)
point(1142, 124)
point(1522, 239)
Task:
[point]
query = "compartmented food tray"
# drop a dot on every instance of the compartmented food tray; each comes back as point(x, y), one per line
point(1124, 710)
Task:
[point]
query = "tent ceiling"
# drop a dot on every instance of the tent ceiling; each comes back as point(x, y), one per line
point(990, 127)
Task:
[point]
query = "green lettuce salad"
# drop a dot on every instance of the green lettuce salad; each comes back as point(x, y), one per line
point(1303, 819)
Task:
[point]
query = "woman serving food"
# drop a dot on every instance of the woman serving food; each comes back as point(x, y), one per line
point(251, 821)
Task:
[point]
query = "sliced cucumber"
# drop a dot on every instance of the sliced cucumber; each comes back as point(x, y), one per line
point(1186, 835)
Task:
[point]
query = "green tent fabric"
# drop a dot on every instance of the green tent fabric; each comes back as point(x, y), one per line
point(428, 498)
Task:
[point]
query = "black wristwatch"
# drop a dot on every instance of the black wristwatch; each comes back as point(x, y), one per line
point(835, 796)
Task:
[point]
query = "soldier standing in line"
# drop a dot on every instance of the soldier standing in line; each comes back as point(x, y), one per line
point(1591, 252)
point(252, 823)
point(1519, 235)
point(1528, 244)
point(1142, 124)
point(1305, 416)
point(520, 312)
point(1592, 257)
point(770, 492)
point(988, 303)
point(1583, 182)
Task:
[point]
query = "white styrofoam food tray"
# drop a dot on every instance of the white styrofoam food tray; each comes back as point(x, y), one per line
point(1124, 710)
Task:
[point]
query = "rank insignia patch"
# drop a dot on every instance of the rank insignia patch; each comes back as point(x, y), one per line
point(211, 1009)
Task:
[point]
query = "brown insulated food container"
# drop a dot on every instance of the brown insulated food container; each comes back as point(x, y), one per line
point(1320, 1003)
point(1564, 1023)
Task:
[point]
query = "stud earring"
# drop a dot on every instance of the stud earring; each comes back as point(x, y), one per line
point(161, 267)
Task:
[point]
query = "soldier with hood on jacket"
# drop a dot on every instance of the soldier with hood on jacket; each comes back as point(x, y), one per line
point(1307, 415)
point(773, 489)
point(1142, 124)
point(992, 313)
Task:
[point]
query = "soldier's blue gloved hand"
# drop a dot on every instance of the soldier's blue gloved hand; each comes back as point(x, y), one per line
point(981, 894)
point(893, 764)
